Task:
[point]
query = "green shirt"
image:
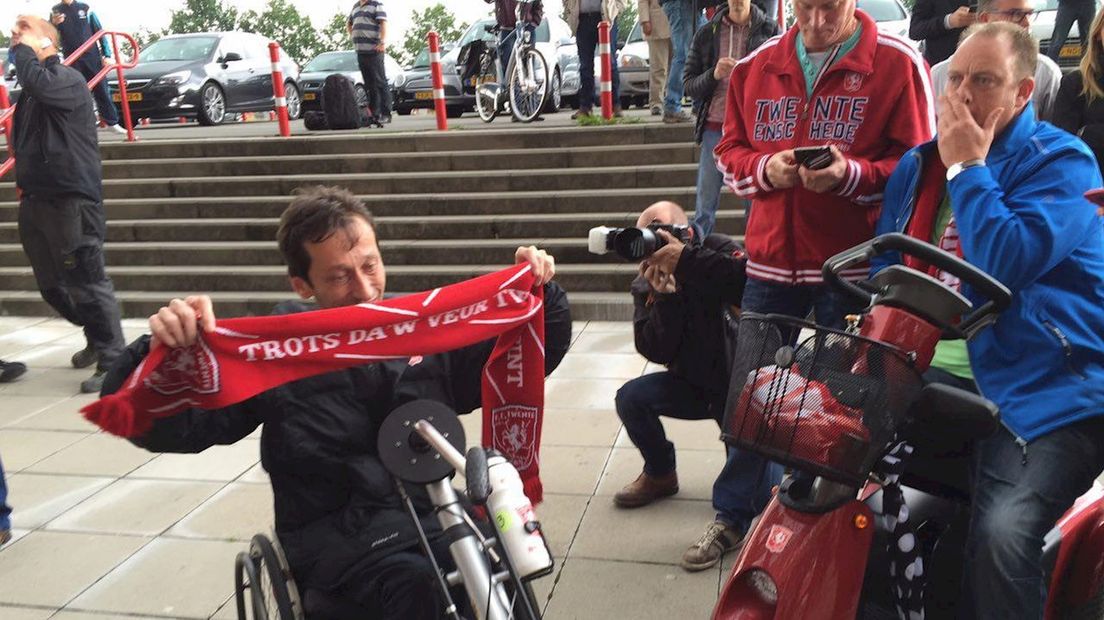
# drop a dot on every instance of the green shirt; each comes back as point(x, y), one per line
point(813, 63)
point(950, 355)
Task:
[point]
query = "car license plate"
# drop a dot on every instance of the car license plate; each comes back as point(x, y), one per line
point(309, 96)
point(425, 94)
point(130, 97)
point(1070, 50)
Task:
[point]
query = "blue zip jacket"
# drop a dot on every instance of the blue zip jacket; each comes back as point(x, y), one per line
point(1023, 219)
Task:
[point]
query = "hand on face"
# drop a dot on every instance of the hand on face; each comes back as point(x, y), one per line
point(543, 264)
point(825, 179)
point(960, 137)
point(178, 324)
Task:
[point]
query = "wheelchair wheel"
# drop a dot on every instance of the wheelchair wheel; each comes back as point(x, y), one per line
point(273, 590)
point(245, 578)
point(518, 610)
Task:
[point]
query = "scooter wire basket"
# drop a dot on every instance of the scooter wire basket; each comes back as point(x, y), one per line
point(827, 405)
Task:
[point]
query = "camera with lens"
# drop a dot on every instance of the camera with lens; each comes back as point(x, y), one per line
point(635, 244)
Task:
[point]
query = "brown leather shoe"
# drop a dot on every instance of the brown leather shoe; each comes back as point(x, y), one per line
point(646, 489)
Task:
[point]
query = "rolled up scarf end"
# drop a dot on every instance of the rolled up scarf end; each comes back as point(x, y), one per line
point(115, 414)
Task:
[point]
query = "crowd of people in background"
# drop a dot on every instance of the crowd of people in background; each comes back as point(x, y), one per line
point(950, 146)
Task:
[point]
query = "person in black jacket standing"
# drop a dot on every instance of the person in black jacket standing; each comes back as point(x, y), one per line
point(939, 23)
point(76, 23)
point(689, 328)
point(1079, 106)
point(338, 514)
point(61, 215)
point(716, 49)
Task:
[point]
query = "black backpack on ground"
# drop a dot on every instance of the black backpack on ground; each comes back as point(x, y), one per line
point(339, 103)
point(315, 121)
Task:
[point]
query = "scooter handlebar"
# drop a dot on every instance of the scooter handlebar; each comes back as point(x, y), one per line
point(441, 445)
point(998, 296)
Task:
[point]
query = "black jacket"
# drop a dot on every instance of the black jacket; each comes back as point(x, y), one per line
point(697, 78)
point(335, 504)
point(1085, 120)
point(689, 331)
point(927, 26)
point(54, 130)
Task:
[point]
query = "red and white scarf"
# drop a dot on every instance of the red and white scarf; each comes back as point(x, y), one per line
point(246, 356)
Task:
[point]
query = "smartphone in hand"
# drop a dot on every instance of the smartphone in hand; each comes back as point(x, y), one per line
point(813, 157)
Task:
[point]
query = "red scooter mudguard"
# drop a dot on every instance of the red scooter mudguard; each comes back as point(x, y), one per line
point(1078, 574)
point(816, 563)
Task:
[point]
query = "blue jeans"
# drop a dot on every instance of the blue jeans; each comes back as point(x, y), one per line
point(586, 40)
point(1019, 494)
point(710, 182)
point(796, 300)
point(506, 49)
point(1081, 11)
point(5, 510)
point(680, 14)
point(743, 487)
point(770, 7)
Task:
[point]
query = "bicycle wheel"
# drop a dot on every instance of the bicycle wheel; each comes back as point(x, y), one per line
point(527, 84)
point(486, 89)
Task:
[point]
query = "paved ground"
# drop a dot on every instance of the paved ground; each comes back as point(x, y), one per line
point(414, 122)
point(104, 529)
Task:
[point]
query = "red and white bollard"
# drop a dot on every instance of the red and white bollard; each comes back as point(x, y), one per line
point(607, 69)
point(278, 89)
point(438, 81)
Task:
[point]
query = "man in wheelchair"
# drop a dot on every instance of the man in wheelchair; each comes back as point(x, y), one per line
point(338, 514)
point(1005, 192)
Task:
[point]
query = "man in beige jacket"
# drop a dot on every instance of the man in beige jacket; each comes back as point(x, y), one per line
point(657, 32)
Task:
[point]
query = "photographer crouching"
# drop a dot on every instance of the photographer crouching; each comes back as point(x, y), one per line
point(688, 326)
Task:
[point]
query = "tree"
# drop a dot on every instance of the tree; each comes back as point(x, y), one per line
point(626, 21)
point(283, 23)
point(436, 17)
point(202, 16)
point(335, 36)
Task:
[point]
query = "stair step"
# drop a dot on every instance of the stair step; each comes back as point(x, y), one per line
point(273, 278)
point(360, 163)
point(140, 304)
point(461, 204)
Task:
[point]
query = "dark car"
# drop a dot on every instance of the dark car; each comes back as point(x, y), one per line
point(206, 76)
point(414, 87)
point(344, 62)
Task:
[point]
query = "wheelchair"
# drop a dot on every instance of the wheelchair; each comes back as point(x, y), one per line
point(264, 587)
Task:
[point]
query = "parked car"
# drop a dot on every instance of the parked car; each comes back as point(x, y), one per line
point(316, 71)
point(206, 76)
point(553, 39)
point(1042, 28)
point(892, 17)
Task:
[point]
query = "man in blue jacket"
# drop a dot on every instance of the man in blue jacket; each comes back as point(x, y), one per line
point(1012, 204)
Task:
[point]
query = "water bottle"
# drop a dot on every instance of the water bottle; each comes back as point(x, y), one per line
point(515, 519)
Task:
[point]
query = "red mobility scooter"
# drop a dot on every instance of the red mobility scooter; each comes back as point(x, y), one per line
point(879, 460)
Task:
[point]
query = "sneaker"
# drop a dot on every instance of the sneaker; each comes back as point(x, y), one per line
point(5, 536)
point(676, 117)
point(580, 113)
point(10, 371)
point(93, 384)
point(657, 110)
point(617, 113)
point(385, 120)
point(84, 358)
point(646, 489)
point(717, 540)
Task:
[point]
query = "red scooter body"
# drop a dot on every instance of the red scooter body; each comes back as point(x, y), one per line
point(1078, 575)
point(816, 561)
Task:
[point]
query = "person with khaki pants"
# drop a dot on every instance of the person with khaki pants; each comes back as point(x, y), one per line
point(657, 32)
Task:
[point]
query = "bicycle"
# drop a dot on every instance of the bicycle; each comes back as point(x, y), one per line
point(526, 77)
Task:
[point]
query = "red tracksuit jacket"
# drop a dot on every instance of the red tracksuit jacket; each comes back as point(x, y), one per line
point(874, 104)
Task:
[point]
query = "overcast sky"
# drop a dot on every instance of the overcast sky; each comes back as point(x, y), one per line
point(130, 15)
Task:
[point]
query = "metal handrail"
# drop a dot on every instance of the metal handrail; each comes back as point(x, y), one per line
point(118, 66)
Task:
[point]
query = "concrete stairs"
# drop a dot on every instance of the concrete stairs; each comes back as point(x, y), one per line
point(200, 215)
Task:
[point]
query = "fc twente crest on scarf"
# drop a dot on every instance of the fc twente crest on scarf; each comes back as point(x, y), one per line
point(194, 368)
point(514, 426)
